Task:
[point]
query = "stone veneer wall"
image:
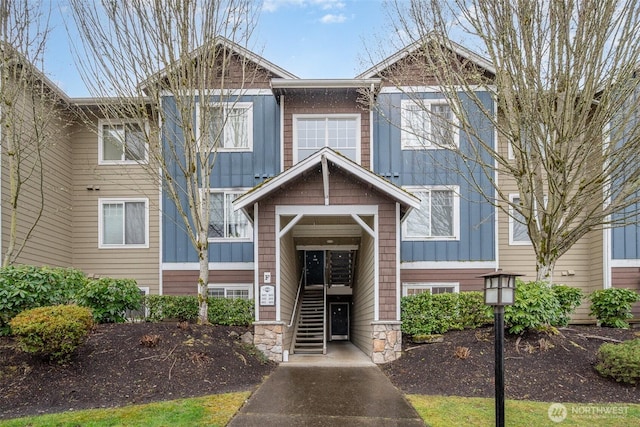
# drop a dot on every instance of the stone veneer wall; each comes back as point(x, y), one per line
point(387, 341)
point(268, 338)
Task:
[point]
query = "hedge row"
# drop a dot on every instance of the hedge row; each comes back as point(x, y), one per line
point(536, 305)
point(222, 311)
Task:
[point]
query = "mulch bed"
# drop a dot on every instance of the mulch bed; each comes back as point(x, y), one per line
point(115, 368)
point(538, 366)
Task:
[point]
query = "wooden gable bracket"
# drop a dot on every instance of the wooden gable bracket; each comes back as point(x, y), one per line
point(325, 178)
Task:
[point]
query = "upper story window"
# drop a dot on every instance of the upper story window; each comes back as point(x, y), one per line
point(338, 131)
point(427, 124)
point(121, 142)
point(123, 223)
point(438, 217)
point(224, 223)
point(230, 126)
point(518, 232)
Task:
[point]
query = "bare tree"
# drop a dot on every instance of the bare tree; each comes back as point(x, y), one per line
point(563, 75)
point(172, 63)
point(30, 116)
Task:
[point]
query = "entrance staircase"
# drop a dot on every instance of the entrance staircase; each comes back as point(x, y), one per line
point(310, 332)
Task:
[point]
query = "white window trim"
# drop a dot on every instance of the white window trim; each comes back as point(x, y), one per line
point(244, 104)
point(225, 191)
point(456, 213)
point(357, 118)
point(117, 122)
point(512, 221)
point(101, 202)
point(232, 286)
point(429, 285)
point(408, 140)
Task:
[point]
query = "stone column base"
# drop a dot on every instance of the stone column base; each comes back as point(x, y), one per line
point(268, 338)
point(387, 341)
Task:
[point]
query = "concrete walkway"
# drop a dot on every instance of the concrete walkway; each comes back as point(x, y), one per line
point(303, 394)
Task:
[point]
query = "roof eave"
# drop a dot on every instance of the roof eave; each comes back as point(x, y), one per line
point(378, 182)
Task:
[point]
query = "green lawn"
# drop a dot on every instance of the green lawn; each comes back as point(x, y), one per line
point(445, 411)
point(437, 411)
point(215, 410)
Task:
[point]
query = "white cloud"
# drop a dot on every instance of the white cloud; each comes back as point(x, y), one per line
point(333, 19)
point(274, 5)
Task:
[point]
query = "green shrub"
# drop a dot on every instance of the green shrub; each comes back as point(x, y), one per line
point(231, 312)
point(473, 311)
point(620, 361)
point(53, 332)
point(109, 299)
point(436, 314)
point(164, 307)
point(612, 306)
point(535, 306)
point(23, 287)
point(569, 299)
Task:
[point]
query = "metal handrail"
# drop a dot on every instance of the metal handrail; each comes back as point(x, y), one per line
point(295, 306)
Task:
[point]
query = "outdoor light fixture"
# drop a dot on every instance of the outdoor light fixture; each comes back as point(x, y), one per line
point(499, 290)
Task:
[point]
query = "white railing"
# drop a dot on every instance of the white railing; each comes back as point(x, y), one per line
point(295, 305)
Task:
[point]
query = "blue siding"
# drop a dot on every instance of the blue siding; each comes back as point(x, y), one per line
point(437, 167)
point(231, 170)
point(625, 241)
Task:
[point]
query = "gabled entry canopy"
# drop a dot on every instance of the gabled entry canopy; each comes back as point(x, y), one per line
point(322, 158)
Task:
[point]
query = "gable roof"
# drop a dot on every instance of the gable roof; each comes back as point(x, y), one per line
point(418, 44)
point(232, 46)
point(326, 154)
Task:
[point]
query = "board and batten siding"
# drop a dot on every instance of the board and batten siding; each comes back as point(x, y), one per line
point(362, 313)
point(232, 170)
point(417, 168)
point(113, 181)
point(50, 241)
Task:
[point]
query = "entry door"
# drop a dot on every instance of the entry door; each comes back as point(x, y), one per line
point(314, 261)
point(339, 320)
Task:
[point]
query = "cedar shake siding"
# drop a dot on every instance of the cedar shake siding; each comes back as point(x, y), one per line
point(628, 278)
point(320, 102)
point(178, 282)
point(467, 278)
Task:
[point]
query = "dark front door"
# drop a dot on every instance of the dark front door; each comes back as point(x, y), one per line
point(314, 262)
point(339, 320)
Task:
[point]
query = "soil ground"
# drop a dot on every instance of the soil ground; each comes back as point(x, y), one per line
point(114, 368)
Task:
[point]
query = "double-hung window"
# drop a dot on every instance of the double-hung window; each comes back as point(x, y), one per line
point(121, 142)
point(224, 222)
point(230, 126)
point(123, 223)
point(438, 217)
point(518, 231)
point(338, 131)
point(427, 124)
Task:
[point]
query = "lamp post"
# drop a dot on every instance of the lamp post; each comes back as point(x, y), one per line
point(499, 290)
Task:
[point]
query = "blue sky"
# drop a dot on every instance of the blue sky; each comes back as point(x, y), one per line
point(309, 38)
